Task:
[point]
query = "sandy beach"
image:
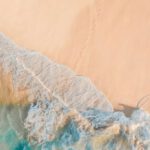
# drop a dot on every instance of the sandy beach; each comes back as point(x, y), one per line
point(107, 41)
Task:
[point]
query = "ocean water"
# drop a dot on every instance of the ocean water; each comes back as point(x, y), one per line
point(113, 130)
point(14, 136)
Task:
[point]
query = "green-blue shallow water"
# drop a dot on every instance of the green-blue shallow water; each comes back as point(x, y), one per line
point(13, 135)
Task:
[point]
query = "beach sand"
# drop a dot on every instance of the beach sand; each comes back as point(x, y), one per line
point(107, 41)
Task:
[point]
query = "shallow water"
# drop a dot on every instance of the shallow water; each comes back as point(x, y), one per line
point(13, 135)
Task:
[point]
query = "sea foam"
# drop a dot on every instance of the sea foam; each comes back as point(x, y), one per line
point(65, 110)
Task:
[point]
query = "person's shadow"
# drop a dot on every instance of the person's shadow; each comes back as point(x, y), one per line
point(128, 110)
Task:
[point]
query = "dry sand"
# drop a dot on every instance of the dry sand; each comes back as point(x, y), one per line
point(108, 41)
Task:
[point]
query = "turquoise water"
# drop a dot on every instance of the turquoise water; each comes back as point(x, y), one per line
point(13, 135)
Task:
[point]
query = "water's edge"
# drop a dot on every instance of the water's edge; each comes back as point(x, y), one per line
point(63, 110)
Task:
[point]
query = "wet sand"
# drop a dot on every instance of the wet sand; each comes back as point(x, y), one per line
point(107, 41)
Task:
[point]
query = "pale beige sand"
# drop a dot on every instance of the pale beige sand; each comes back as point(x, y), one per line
point(108, 41)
